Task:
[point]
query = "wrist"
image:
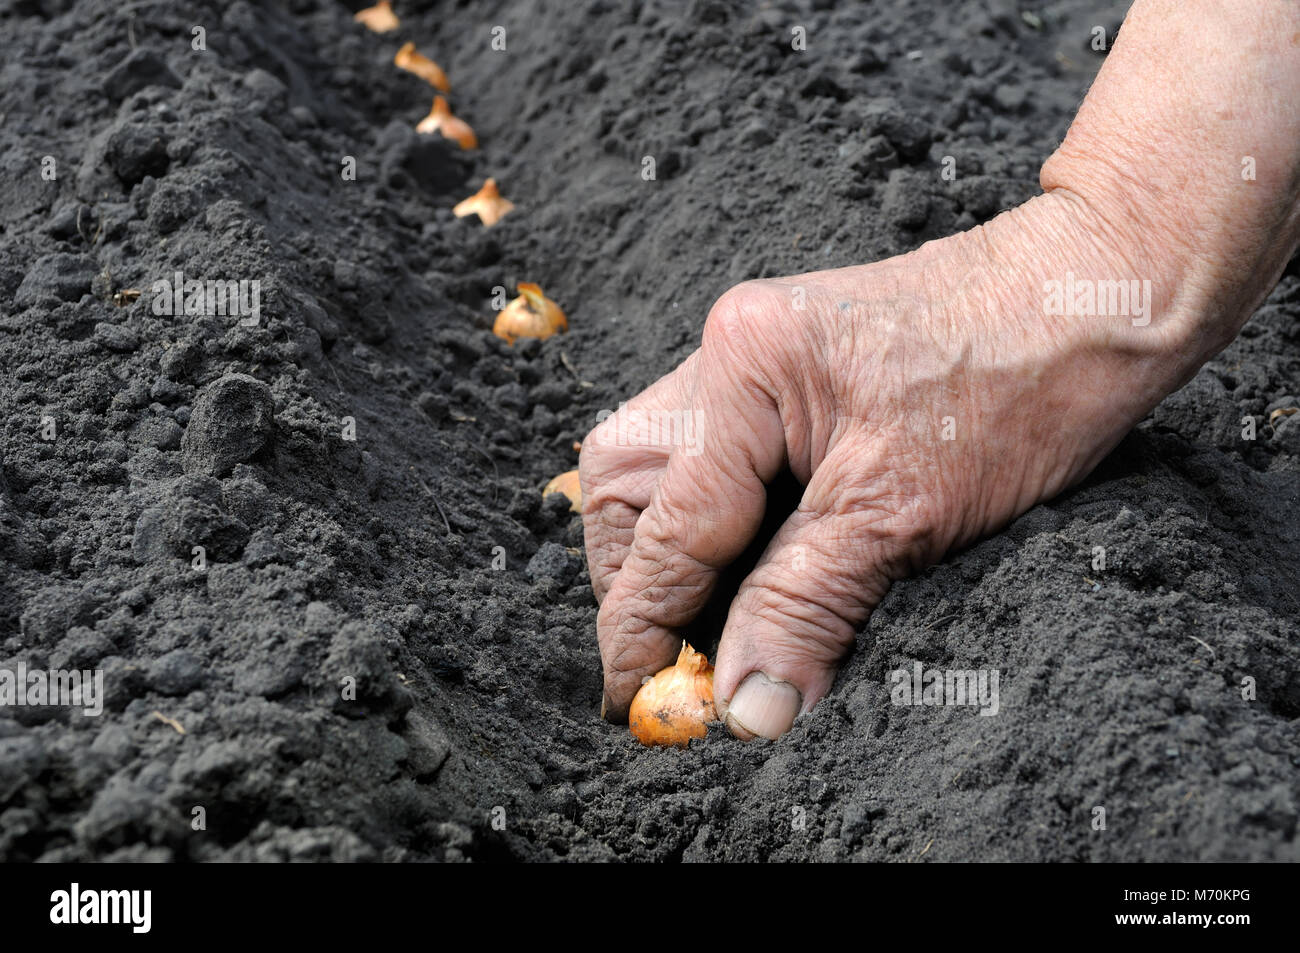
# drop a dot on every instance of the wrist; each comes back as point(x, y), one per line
point(1184, 160)
point(1067, 322)
point(1202, 277)
point(1087, 286)
point(1148, 294)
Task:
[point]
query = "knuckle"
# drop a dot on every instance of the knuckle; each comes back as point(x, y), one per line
point(907, 526)
point(608, 530)
point(589, 476)
point(659, 528)
point(661, 581)
point(664, 537)
point(600, 461)
point(630, 655)
point(598, 438)
point(744, 311)
point(814, 620)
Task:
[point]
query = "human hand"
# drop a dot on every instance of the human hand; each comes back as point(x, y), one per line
point(928, 399)
point(922, 401)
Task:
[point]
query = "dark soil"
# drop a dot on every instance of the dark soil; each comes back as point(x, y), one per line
point(474, 731)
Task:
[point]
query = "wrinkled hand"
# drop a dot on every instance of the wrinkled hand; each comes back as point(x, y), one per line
point(922, 402)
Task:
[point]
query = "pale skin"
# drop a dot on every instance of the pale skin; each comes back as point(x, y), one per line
point(853, 378)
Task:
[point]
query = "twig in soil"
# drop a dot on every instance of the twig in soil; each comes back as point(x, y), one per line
point(496, 471)
point(925, 849)
point(328, 363)
point(99, 229)
point(426, 489)
point(947, 618)
point(1130, 729)
point(1207, 645)
point(169, 721)
point(1281, 412)
point(564, 359)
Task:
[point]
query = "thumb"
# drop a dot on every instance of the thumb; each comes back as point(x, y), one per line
point(796, 614)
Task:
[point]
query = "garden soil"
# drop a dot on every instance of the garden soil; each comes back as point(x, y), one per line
point(307, 547)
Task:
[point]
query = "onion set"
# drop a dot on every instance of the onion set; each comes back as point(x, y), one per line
point(379, 19)
point(487, 203)
point(441, 120)
point(531, 315)
point(409, 59)
point(677, 704)
point(568, 484)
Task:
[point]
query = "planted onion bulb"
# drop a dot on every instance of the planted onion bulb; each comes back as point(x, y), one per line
point(677, 704)
point(441, 120)
point(379, 19)
point(531, 315)
point(568, 484)
point(487, 203)
point(414, 62)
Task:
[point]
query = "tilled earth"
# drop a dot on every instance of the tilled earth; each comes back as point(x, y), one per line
point(387, 649)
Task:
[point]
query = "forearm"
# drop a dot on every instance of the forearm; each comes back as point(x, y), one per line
point(1185, 159)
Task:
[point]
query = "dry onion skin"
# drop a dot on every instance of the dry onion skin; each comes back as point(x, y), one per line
point(379, 19)
point(441, 120)
point(409, 59)
point(531, 315)
point(487, 203)
point(568, 484)
point(677, 704)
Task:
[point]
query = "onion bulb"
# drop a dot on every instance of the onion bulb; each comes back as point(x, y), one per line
point(379, 19)
point(487, 202)
point(408, 59)
point(441, 120)
point(568, 484)
point(531, 315)
point(677, 704)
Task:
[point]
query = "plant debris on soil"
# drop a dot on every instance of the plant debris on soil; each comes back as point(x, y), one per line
point(310, 552)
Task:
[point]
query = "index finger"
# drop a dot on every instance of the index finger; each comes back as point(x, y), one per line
point(704, 512)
